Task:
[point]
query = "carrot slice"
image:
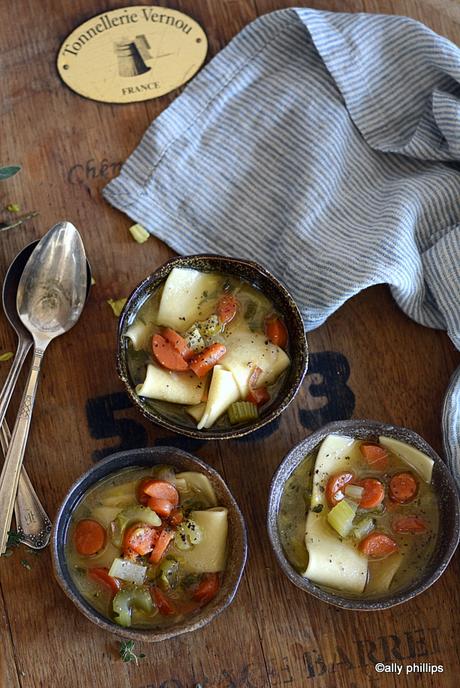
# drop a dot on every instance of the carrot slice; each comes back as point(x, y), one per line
point(177, 342)
point(140, 494)
point(403, 487)
point(227, 308)
point(334, 486)
point(276, 331)
point(164, 604)
point(140, 538)
point(207, 589)
point(375, 455)
point(166, 354)
point(89, 537)
point(101, 575)
point(409, 524)
point(373, 494)
point(257, 395)
point(162, 489)
point(162, 507)
point(207, 359)
point(161, 545)
point(377, 545)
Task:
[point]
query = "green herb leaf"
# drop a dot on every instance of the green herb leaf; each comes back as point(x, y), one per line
point(26, 564)
point(13, 208)
point(6, 356)
point(127, 653)
point(9, 171)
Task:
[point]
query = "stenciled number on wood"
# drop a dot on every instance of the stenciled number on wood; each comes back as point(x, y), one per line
point(331, 365)
point(334, 370)
point(103, 424)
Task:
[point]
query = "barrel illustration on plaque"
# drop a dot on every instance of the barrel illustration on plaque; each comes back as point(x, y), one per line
point(132, 56)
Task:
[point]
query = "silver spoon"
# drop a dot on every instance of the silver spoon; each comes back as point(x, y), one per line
point(50, 299)
point(33, 526)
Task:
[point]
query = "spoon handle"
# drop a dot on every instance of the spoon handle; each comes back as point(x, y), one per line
point(13, 374)
point(13, 461)
point(33, 526)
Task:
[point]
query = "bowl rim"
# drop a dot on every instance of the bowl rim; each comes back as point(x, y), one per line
point(210, 434)
point(372, 427)
point(61, 521)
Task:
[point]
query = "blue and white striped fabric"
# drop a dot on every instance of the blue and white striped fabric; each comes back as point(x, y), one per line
point(323, 146)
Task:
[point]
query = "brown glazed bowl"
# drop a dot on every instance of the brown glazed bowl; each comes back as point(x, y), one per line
point(237, 540)
point(272, 288)
point(442, 481)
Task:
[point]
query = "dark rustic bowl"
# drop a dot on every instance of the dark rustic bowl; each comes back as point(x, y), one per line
point(443, 483)
point(272, 288)
point(237, 540)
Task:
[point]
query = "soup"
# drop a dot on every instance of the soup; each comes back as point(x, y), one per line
point(207, 349)
point(360, 517)
point(148, 547)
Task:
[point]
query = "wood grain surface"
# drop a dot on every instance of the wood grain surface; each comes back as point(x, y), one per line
point(367, 361)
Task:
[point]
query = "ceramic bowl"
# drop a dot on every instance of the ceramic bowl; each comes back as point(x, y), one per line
point(237, 540)
point(272, 288)
point(442, 481)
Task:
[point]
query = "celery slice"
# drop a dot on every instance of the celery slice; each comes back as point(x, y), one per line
point(169, 571)
point(127, 570)
point(363, 527)
point(126, 599)
point(129, 516)
point(188, 534)
point(341, 517)
point(139, 233)
point(242, 412)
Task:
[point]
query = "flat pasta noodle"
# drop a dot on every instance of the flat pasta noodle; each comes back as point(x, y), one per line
point(198, 485)
point(209, 555)
point(140, 334)
point(416, 459)
point(223, 391)
point(183, 301)
point(247, 350)
point(196, 412)
point(382, 573)
point(164, 385)
point(331, 561)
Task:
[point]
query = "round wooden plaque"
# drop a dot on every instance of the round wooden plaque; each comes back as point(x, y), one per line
point(132, 54)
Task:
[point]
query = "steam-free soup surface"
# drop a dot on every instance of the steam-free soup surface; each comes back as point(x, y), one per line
point(207, 349)
point(383, 536)
point(148, 547)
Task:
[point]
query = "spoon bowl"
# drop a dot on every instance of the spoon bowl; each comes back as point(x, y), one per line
point(52, 288)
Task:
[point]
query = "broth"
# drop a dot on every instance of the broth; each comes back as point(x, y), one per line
point(179, 583)
point(416, 549)
point(253, 311)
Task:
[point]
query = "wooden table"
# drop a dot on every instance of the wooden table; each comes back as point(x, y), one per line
point(368, 361)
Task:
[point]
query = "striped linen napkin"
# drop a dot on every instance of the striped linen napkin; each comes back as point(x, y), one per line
point(326, 147)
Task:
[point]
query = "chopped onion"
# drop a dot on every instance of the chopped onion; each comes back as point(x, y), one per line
point(128, 571)
point(354, 492)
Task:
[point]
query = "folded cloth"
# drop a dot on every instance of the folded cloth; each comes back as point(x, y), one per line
point(322, 145)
